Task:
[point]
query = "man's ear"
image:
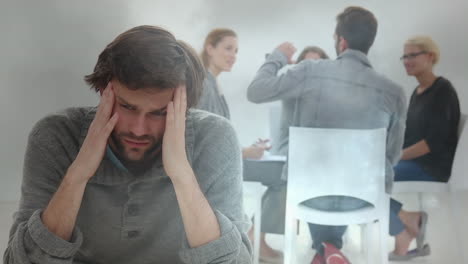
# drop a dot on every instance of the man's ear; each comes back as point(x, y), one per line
point(343, 44)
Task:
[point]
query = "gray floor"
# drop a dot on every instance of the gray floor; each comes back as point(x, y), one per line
point(440, 231)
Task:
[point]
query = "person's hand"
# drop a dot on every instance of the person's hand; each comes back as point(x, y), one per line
point(252, 152)
point(92, 151)
point(256, 150)
point(174, 155)
point(263, 143)
point(288, 49)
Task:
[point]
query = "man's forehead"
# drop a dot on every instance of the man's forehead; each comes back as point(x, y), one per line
point(149, 99)
point(150, 90)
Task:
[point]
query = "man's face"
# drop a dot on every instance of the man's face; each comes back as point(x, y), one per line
point(137, 136)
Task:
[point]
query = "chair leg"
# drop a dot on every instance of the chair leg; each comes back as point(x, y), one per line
point(290, 239)
point(384, 231)
point(346, 237)
point(455, 208)
point(363, 237)
point(257, 229)
point(366, 244)
point(420, 201)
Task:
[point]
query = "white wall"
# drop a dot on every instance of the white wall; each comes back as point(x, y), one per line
point(48, 46)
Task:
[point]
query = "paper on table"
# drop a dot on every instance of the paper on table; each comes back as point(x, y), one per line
point(274, 158)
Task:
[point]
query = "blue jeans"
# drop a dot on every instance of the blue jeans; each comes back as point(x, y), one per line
point(331, 234)
point(408, 170)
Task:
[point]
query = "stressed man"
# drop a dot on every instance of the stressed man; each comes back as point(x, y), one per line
point(141, 178)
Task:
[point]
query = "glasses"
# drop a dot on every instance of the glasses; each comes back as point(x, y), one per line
point(410, 56)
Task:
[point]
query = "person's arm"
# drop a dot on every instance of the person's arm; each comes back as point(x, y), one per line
point(199, 219)
point(442, 121)
point(60, 215)
point(44, 229)
point(416, 150)
point(395, 136)
point(208, 215)
point(267, 86)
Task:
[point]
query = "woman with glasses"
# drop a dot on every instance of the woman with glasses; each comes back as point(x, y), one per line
point(430, 138)
point(432, 119)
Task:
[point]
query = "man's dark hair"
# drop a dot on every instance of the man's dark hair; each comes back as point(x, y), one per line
point(149, 57)
point(358, 27)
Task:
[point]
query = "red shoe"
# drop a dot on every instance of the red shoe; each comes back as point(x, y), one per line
point(332, 255)
point(318, 259)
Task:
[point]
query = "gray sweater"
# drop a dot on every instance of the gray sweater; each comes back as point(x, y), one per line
point(342, 93)
point(124, 218)
point(211, 100)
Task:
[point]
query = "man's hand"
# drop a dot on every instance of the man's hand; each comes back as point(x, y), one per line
point(288, 49)
point(94, 145)
point(60, 214)
point(174, 155)
point(200, 223)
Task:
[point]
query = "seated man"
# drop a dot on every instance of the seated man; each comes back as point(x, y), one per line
point(142, 178)
point(274, 199)
point(342, 93)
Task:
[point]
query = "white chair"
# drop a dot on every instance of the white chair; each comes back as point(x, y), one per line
point(253, 206)
point(343, 162)
point(458, 182)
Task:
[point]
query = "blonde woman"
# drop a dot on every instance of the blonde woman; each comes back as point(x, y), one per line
point(430, 140)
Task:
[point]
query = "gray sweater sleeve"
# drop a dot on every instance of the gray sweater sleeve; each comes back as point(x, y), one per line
point(220, 161)
point(267, 86)
point(30, 241)
point(207, 96)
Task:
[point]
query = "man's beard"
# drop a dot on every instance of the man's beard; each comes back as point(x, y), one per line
point(148, 158)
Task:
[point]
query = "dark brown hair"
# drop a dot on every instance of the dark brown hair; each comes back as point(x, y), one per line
point(358, 26)
point(314, 49)
point(213, 38)
point(149, 57)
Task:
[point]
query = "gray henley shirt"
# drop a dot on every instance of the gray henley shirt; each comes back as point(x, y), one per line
point(125, 218)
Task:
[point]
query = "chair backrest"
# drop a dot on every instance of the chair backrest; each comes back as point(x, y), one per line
point(459, 176)
point(348, 162)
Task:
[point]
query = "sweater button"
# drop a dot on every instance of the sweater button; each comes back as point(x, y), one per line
point(133, 234)
point(133, 210)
